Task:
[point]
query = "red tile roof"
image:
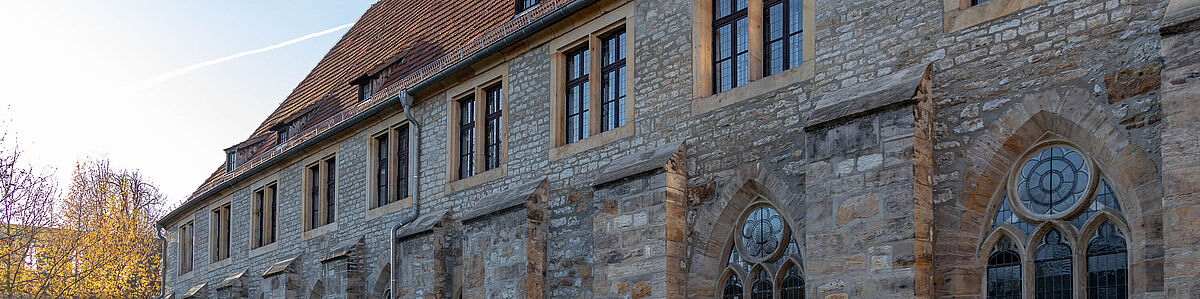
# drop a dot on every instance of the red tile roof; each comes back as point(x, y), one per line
point(424, 37)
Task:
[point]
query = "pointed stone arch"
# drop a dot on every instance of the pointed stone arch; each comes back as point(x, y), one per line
point(1067, 113)
point(716, 221)
point(317, 291)
point(382, 282)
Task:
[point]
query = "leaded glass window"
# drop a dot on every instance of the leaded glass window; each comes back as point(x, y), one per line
point(1104, 199)
point(731, 53)
point(762, 232)
point(381, 170)
point(1052, 268)
point(783, 35)
point(492, 122)
point(762, 286)
point(733, 287)
point(1053, 184)
point(577, 104)
point(1106, 264)
point(466, 137)
point(1053, 180)
point(612, 85)
point(1004, 271)
point(792, 286)
point(1006, 215)
point(763, 241)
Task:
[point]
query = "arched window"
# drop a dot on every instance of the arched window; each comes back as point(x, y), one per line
point(793, 285)
point(1004, 271)
point(1106, 263)
point(763, 241)
point(1052, 268)
point(733, 287)
point(1056, 182)
point(762, 286)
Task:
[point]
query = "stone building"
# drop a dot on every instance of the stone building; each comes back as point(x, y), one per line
point(719, 148)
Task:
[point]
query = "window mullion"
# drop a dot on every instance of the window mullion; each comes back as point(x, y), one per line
point(594, 79)
point(754, 38)
point(480, 141)
point(393, 147)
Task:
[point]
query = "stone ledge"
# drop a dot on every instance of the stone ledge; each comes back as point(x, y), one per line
point(504, 200)
point(237, 279)
point(422, 224)
point(344, 249)
point(281, 266)
point(637, 163)
point(897, 89)
point(195, 292)
point(1181, 16)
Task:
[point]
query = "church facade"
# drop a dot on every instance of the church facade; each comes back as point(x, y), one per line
point(719, 149)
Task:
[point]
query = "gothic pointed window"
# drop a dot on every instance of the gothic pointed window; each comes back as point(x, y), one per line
point(792, 286)
point(1057, 183)
point(1106, 264)
point(1004, 271)
point(1052, 267)
point(733, 288)
point(763, 241)
point(762, 286)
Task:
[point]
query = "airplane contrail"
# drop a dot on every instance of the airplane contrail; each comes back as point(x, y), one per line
point(152, 81)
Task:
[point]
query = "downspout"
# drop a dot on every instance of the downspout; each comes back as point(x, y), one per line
point(162, 288)
point(414, 139)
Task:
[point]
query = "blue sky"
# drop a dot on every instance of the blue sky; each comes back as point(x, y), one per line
point(68, 71)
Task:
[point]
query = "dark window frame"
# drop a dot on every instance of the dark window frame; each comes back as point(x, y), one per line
point(613, 57)
point(493, 123)
point(314, 196)
point(466, 137)
point(364, 92)
point(402, 160)
point(578, 77)
point(187, 236)
point(330, 189)
point(786, 37)
point(382, 154)
point(523, 5)
point(730, 20)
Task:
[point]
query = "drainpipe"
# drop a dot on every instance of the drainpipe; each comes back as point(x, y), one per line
point(414, 139)
point(162, 289)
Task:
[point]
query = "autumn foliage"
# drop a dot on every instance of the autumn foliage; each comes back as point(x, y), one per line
point(97, 241)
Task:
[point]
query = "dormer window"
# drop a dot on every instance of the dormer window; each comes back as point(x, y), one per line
point(282, 135)
point(230, 161)
point(364, 92)
point(523, 5)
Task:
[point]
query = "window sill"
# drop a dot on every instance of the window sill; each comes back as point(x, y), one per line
point(185, 276)
point(389, 208)
point(753, 88)
point(264, 249)
point(324, 229)
point(958, 17)
point(476, 179)
point(218, 264)
point(591, 142)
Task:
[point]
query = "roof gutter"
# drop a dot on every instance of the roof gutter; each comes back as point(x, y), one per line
point(509, 40)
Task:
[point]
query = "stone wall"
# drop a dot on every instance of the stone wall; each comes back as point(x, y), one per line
point(857, 188)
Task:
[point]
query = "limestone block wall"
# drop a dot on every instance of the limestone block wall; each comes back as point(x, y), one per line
point(504, 241)
point(840, 183)
point(1180, 148)
point(640, 226)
